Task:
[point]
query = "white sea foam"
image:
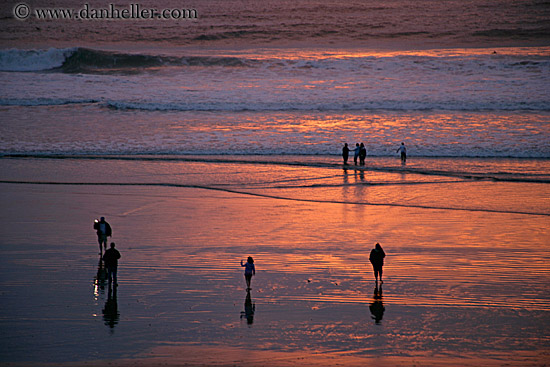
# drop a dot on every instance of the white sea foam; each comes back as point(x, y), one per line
point(33, 60)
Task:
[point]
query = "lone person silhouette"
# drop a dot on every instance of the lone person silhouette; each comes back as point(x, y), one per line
point(403, 150)
point(376, 258)
point(111, 263)
point(249, 271)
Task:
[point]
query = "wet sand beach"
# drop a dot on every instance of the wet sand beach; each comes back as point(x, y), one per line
point(209, 139)
point(467, 284)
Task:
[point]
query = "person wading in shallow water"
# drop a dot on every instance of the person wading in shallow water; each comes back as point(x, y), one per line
point(356, 153)
point(249, 271)
point(362, 154)
point(345, 153)
point(403, 150)
point(376, 258)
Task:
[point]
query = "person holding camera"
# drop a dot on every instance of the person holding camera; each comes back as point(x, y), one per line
point(103, 230)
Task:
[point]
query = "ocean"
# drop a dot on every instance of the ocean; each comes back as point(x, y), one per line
point(209, 139)
point(447, 86)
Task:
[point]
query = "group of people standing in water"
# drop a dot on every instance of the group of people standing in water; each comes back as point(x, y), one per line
point(360, 152)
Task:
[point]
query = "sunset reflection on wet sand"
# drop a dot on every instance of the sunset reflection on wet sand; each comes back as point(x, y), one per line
point(460, 283)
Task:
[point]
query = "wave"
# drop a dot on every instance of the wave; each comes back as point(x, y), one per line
point(45, 101)
point(289, 106)
point(84, 60)
point(518, 33)
point(34, 60)
point(284, 106)
point(445, 80)
point(232, 35)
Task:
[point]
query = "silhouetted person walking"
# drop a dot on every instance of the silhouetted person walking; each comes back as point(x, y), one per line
point(111, 263)
point(345, 153)
point(103, 230)
point(376, 258)
point(249, 271)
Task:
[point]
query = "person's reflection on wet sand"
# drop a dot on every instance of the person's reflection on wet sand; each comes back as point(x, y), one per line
point(377, 306)
point(249, 309)
point(345, 185)
point(359, 175)
point(346, 180)
point(100, 278)
point(110, 311)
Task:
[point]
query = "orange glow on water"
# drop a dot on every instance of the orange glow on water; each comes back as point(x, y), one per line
point(318, 252)
point(313, 54)
point(460, 262)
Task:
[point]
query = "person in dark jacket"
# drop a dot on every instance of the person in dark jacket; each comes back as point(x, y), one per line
point(362, 154)
point(376, 258)
point(345, 153)
point(103, 230)
point(111, 263)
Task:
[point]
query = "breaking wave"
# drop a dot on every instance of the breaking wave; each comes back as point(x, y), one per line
point(84, 60)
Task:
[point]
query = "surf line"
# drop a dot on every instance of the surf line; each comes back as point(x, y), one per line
point(143, 184)
point(186, 158)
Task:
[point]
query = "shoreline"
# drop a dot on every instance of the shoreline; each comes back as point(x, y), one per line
point(189, 156)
